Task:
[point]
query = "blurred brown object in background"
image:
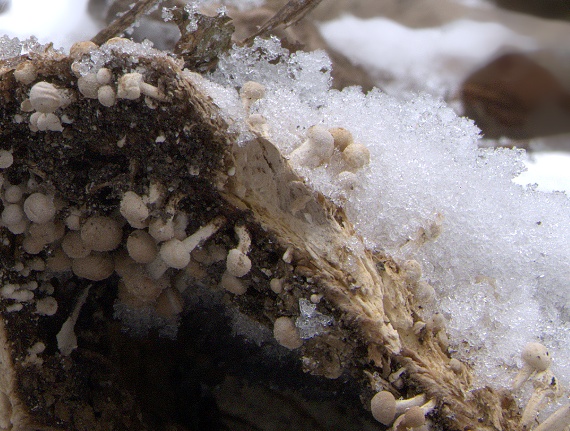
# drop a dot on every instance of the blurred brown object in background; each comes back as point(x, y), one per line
point(557, 9)
point(515, 97)
point(4, 5)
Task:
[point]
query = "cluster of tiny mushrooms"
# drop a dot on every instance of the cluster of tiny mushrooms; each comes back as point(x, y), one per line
point(93, 249)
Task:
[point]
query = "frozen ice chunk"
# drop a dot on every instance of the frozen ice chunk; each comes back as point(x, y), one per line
point(311, 322)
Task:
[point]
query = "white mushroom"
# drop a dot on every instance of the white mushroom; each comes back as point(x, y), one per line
point(39, 208)
point(104, 76)
point(12, 214)
point(73, 246)
point(250, 93)
point(169, 304)
point(134, 210)
point(174, 253)
point(13, 193)
point(342, 137)
point(95, 267)
point(238, 263)
point(383, 407)
point(46, 306)
point(286, 333)
point(414, 417)
point(106, 96)
point(101, 233)
point(356, 156)
point(25, 73)
point(88, 85)
point(44, 122)
point(316, 150)
point(232, 284)
point(545, 386)
point(46, 97)
point(203, 233)
point(141, 246)
point(161, 230)
point(536, 359)
point(258, 125)
point(6, 159)
point(79, 49)
point(66, 338)
point(131, 86)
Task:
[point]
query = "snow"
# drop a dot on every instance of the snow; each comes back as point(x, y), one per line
point(59, 21)
point(499, 266)
point(549, 170)
point(434, 60)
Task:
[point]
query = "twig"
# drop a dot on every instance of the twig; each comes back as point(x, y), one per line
point(122, 23)
point(291, 13)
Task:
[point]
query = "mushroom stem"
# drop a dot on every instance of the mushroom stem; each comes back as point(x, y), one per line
point(536, 359)
point(545, 385)
point(403, 405)
point(316, 150)
point(66, 338)
point(557, 421)
point(203, 233)
point(532, 408)
point(152, 92)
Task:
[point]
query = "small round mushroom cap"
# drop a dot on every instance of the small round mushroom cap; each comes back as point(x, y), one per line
point(19, 227)
point(25, 73)
point(252, 90)
point(13, 193)
point(39, 208)
point(46, 306)
point(175, 254)
point(106, 96)
point(79, 49)
point(383, 407)
point(237, 263)
point(6, 159)
point(32, 245)
point(58, 261)
point(356, 156)
point(414, 417)
point(133, 209)
point(286, 333)
point(143, 287)
point(129, 86)
point(95, 267)
point(342, 137)
point(232, 284)
point(73, 246)
point(49, 121)
point(104, 76)
point(141, 246)
point(161, 230)
point(101, 233)
point(12, 214)
point(536, 356)
point(316, 150)
point(88, 85)
point(46, 97)
point(48, 232)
